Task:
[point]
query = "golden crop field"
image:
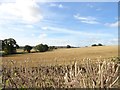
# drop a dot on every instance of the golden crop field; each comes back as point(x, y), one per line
point(65, 56)
point(87, 67)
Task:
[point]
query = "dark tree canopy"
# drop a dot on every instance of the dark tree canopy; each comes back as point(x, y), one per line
point(9, 46)
point(94, 45)
point(100, 44)
point(52, 47)
point(97, 45)
point(68, 46)
point(27, 48)
point(41, 48)
point(1, 44)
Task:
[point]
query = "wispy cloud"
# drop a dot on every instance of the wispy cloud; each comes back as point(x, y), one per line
point(24, 10)
point(73, 32)
point(90, 6)
point(115, 24)
point(42, 36)
point(44, 28)
point(88, 19)
point(98, 9)
point(56, 5)
point(30, 22)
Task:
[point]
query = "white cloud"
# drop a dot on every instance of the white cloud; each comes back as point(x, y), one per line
point(29, 26)
point(32, 35)
point(57, 41)
point(44, 28)
point(90, 5)
point(42, 36)
point(115, 24)
point(73, 32)
point(56, 5)
point(88, 19)
point(114, 41)
point(60, 6)
point(24, 10)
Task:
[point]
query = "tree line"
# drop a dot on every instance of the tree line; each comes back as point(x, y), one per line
point(9, 46)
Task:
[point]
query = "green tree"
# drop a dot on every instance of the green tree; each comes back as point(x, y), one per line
point(94, 45)
point(9, 46)
point(68, 46)
point(1, 45)
point(45, 47)
point(27, 48)
point(100, 44)
point(52, 47)
point(41, 48)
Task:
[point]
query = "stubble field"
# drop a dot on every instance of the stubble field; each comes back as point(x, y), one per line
point(65, 56)
point(88, 67)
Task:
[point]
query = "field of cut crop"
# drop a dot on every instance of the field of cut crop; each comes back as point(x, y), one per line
point(65, 56)
point(87, 67)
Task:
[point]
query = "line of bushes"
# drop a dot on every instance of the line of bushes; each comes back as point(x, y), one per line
point(9, 46)
point(97, 45)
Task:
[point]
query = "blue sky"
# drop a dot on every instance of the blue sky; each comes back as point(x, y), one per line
point(59, 23)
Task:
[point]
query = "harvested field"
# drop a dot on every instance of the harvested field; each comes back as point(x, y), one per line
point(89, 67)
point(88, 75)
point(66, 56)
